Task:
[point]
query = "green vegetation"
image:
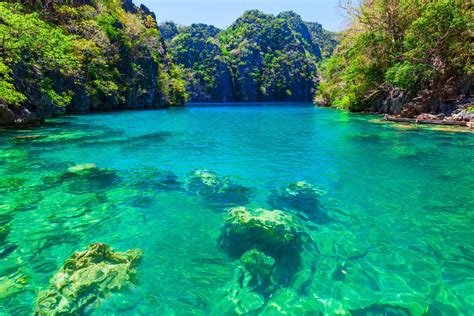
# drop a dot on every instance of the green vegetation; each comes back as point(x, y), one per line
point(195, 49)
point(260, 57)
point(83, 55)
point(418, 50)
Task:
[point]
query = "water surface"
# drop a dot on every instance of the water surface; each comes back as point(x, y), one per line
point(400, 201)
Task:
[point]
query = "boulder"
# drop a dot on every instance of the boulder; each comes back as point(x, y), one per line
point(269, 231)
point(7, 117)
point(86, 277)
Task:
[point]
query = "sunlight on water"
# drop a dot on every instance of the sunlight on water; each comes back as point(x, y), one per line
point(376, 220)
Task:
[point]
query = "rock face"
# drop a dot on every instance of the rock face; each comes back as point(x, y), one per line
point(208, 77)
point(111, 56)
point(454, 100)
point(86, 277)
point(260, 57)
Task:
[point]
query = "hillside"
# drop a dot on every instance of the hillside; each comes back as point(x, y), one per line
point(404, 58)
point(260, 57)
point(81, 56)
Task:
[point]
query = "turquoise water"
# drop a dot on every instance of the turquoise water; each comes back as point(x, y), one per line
point(398, 203)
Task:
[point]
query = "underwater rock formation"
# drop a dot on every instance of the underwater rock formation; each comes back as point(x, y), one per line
point(154, 179)
point(267, 230)
point(82, 169)
point(257, 268)
point(247, 290)
point(86, 277)
point(84, 178)
point(300, 198)
point(219, 191)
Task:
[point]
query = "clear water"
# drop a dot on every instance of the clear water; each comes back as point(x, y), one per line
point(401, 203)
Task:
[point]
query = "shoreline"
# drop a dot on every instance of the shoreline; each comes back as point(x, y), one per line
point(443, 122)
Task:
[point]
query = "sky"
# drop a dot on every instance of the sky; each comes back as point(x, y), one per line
point(222, 13)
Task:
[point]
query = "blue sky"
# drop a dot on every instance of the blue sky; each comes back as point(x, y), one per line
point(222, 13)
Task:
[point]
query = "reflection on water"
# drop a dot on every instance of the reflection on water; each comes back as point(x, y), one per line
point(372, 220)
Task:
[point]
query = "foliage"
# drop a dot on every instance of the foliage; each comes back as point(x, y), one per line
point(260, 57)
point(398, 44)
point(195, 50)
point(28, 39)
point(8, 93)
point(94, 53)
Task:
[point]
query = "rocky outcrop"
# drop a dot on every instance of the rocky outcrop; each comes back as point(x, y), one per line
point(10, 116)
point(450, 105)
point(208, 76)
point(269, 231)
point(112, 57)
point(86, 277)
point(259, 58)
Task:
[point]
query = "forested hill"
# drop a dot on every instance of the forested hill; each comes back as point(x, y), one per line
point(260, 57)
point(79, 56)
point(404, 57)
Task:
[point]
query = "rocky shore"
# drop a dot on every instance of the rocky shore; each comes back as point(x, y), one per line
point(461, 115)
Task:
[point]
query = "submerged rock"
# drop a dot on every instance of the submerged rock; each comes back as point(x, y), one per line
point(84, 168)
point(154, 179)
point(216, 190)
point(86, 277)
point(257, 268)
point(84, 178)
point(27, 138)
point(300, 198)
point(267, 230)
point(249, 287)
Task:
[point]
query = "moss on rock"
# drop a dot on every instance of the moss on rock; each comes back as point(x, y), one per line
point(266, 230)
point(86, 277)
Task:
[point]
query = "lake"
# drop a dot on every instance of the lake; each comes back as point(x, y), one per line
point(392, 235)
